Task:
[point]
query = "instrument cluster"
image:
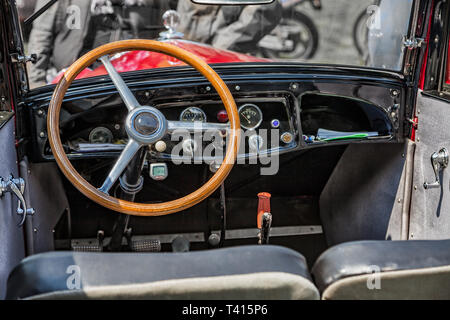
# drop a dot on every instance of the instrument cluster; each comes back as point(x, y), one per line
point(269, 125)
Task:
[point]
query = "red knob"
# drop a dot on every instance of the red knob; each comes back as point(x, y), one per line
point(263, 206)
point(222, 116)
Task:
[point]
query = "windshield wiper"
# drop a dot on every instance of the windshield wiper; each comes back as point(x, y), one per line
point(35, 15)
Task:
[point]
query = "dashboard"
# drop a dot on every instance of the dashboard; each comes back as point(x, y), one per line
point(278, 114)
point(269, 125)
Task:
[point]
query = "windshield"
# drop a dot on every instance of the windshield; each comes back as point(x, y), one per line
point(340, 32)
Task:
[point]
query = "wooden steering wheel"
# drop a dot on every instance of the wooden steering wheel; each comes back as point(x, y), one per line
point(144, 125)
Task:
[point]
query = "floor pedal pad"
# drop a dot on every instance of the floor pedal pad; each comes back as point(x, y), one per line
point(145, 245)
point(88, 245)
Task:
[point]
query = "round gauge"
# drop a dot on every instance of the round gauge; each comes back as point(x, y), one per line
point(193, 114)
point(100, 135)
point(251, 116)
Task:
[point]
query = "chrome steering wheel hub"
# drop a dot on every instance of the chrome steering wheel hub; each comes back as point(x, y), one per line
point(146, 125)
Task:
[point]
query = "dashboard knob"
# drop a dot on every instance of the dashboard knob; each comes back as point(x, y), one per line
point(255, 142)
point(160, 146)
point(287, 137)
point(189, 147)
point(214, 166)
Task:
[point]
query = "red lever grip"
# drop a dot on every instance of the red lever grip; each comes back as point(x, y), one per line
point(263, 206)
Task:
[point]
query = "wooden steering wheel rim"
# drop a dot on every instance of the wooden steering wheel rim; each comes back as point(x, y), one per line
point(127, 207)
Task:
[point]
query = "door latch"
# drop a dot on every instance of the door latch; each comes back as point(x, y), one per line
point(17, 58)
point(413, 43)
point(439, 161)
point(16, 187)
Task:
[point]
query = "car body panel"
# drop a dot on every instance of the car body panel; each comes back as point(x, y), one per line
point(141, 60)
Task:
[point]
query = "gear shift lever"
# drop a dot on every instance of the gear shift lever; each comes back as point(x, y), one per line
point(264, 217)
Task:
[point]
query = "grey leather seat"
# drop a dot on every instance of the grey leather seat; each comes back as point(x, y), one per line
point(385, 270)
point(247, 272)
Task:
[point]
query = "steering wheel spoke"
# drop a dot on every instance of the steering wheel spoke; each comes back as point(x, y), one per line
point(124, 159)
point(196, 126)
point(127, 96)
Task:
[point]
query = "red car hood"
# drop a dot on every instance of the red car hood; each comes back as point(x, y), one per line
point(140, 60)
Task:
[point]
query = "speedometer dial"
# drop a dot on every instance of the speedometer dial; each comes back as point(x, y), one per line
point(193, 114)
point(251, 116)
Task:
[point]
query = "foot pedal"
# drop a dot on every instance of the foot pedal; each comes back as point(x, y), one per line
point(86, 245)
point(89, 245)
point(145, 245)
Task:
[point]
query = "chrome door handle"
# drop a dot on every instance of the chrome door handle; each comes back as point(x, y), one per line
point(439, 161)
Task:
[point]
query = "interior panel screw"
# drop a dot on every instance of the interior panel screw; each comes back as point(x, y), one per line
point(214, 239)
point(294, 86)
point(394, 93)
point(42, 134)
point(238, 88)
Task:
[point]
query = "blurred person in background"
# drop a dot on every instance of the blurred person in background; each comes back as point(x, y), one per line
point(236, 28)
point(70, 28)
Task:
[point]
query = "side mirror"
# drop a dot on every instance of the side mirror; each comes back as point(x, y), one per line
point(232, 2)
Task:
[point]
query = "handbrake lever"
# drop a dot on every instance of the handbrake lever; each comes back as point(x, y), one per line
point(264, 217)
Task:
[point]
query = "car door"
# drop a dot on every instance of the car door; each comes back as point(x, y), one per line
point(11, 235)
point(430, 200)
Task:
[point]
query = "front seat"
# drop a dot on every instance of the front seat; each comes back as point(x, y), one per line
point(247, 272)
point(414, 269)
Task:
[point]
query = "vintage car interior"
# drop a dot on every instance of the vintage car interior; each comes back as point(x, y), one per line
point(325, 175)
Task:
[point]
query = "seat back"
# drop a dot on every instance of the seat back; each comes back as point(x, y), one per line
point(245, 272)
point(385, 270)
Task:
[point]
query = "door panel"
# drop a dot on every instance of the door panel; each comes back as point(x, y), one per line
point(430, 208)
point(11, 236)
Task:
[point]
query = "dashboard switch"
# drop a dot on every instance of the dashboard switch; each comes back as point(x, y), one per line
point(255, 142)
point(222, 116)
point(275, 123)
point(189, 147)
point(287, 137)
point(160, 146)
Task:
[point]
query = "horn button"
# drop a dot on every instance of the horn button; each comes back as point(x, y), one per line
point(146, 123)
